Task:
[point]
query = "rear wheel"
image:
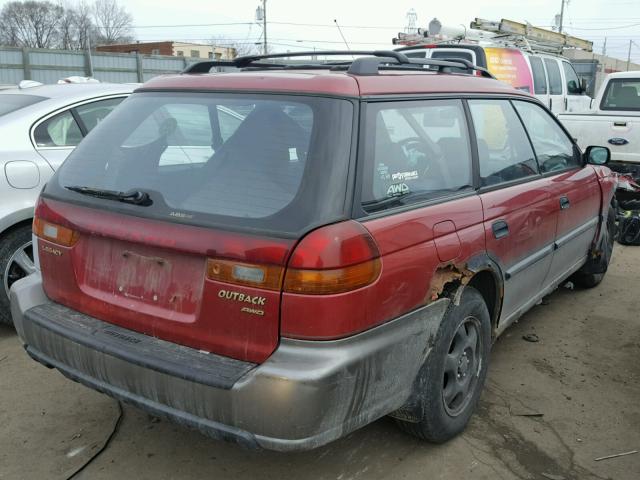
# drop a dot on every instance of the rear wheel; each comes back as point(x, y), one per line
point(591, 280)
point(454, 374)
point(16, 262)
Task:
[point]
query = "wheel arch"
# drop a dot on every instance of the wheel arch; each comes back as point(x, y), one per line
point(480, 272)
point(17, 219)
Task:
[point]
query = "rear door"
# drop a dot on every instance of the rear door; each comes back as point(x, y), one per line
point(575, 189)
point(519, 211)
point(556, 85)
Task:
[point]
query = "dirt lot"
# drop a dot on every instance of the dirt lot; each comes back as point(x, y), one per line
point(550, 408)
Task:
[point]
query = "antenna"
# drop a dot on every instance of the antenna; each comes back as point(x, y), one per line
point(340, 30)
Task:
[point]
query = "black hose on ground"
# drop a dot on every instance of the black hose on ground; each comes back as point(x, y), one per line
point(116, 427)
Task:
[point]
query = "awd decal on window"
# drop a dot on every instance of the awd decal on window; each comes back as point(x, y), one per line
point(397, 189)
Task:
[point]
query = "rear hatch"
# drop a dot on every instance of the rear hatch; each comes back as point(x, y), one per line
point(177, 215)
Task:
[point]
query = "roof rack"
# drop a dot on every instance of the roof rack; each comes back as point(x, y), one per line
point(370, 65)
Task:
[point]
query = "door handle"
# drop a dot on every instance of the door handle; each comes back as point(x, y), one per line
point(564, 203)
point(550, 103)
point(500, 229)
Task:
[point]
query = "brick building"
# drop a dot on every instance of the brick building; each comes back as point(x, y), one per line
point(177, 49)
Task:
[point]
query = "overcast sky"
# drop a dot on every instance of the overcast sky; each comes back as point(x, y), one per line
point(618, 20)
point(592, 19)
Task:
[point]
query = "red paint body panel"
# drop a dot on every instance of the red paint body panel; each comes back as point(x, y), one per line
point(149, 276)
point(531, 215)
point(406, 242)
point(447, 241)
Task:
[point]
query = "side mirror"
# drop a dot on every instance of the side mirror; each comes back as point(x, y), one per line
point(597, 155)
point(573, 88)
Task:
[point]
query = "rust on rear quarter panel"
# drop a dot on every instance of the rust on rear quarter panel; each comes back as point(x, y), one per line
point(450, 274)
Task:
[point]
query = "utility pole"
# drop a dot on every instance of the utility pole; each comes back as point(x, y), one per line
point(561, 16)
point(629, 56)
point(264, 26)
point(604, 47)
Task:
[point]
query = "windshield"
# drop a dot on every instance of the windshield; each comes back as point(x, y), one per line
point(622, 94)
point(12, 102)
point(257, 161)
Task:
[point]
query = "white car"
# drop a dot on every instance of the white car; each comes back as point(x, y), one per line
point(614, 120)
point(39, 126)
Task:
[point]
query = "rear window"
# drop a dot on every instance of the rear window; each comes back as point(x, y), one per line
point(414, 151)
point(622, 94)
point(270, 162)
point(10, 103)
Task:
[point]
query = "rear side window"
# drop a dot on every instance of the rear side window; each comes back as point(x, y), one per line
point(504, 151)
point(553, 148)
point(573, 82)
point(414, 151)
point(58, 131)
point(93, 113)
point(622, 94)
point(555, 79)
point(539, 77)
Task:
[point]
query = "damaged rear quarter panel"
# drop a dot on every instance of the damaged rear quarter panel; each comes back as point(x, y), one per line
point(407, 245)
point(409, 238)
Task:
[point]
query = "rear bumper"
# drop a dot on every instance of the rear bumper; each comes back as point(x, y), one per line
point(305, 395)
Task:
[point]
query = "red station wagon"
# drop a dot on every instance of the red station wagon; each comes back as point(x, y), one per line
point(282, 254)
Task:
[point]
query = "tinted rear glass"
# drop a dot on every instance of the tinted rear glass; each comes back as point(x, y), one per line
point(10, 103)
point(269, 162)
point(539, 77)
point(622, 94)
point(555, 80)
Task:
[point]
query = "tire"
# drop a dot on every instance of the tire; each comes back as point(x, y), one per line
point(444, 413)
point(16, 262)
point(591, 280)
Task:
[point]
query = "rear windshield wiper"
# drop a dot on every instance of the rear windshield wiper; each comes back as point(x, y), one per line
point(137, 197)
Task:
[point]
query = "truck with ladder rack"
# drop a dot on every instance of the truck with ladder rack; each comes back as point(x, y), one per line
point(526, 57)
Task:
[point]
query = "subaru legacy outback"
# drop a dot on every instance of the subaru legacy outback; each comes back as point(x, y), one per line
point(281, 254)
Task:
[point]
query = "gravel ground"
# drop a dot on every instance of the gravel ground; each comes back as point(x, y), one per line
point(549, 409)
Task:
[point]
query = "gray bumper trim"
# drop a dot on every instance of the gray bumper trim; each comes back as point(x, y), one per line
point(207, 427)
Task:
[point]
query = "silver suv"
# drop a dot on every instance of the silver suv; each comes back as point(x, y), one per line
point(39, 127)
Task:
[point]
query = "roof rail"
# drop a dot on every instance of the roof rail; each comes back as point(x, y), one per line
point(370, 65)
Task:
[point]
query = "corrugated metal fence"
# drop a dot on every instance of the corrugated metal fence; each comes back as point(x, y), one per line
point(48, 66)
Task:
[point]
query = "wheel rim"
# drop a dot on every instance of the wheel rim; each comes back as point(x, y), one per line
point(19, 266)
point(462, 367)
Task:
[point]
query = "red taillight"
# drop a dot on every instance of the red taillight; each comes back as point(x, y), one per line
point(334, 259)
point(52, 231)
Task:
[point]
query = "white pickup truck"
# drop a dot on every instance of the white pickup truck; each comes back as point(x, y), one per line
point(613, 120)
